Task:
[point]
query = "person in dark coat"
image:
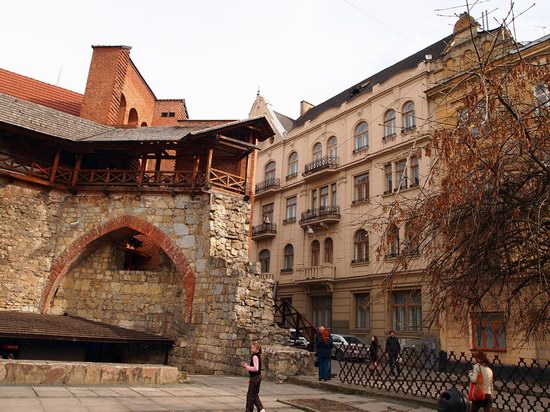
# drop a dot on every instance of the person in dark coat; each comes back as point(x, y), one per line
point(373, 354)
point(323, 349)
point(393, 349)
point(255, 371)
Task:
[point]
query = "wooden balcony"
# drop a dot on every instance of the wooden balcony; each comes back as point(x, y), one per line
point(264, 231)
point(325, 272)
point(119, 179)
point(267, 186)
point(322, 215)
point(327, 164)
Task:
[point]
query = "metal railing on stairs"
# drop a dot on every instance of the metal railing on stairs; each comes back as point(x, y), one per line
point(290, 317)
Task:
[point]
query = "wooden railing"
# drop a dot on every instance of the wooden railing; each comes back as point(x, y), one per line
point(112, 178)
point(291, 317)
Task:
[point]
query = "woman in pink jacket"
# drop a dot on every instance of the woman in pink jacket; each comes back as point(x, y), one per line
point(482, 367)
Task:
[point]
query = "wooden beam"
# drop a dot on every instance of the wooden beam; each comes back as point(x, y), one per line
point(55, 165)
point(196, 170)
point(209, 164)
point(238, 142)
point(76, 169)
point(142, 167)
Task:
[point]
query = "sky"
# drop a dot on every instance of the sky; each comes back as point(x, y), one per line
point(217, 53)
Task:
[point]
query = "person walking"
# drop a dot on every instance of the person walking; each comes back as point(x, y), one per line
point(393, 349)
point(255, 371)
point(482, 370)
point(323, 349)
point(373, 354)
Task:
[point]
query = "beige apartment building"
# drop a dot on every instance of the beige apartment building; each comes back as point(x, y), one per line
point(323, 183)
point(323, 186)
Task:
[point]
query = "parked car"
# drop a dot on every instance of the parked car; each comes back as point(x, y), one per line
point(349, 347)
point(297, 339)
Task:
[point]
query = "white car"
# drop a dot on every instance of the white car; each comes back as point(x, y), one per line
point(297, 339)
point(349, 347)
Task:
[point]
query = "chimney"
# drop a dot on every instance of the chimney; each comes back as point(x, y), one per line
point(304, 107)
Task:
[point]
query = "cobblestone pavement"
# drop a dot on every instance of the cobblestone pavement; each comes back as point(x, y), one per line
point(204, 393)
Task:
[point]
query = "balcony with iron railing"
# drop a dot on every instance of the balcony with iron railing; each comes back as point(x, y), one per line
point(324, 272)
point(264, 231)
point(267, 186)
point(324, 214)
point(324, 164)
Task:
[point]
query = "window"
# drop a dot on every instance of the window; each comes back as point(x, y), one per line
point(332, 151)
point(267, 213)
point(362, 311)
point(317, 151)
point(361, 137)
point(329, 249)
point(333, 194)
point(542, 95)
point(361, 188)
point(288, 260)
point(361, 246)
point(401, 173)
point(292, 165)
point(321, 310)
point(388, 178)
point(411, 245)
point(389, 124)
point(415, 172)
point(406, 310)
point(265, 257)
point(168, 114)
point(270, 171)
point(393, 241)
point(315, 252)
point(488, 331)
point(291, 209)
point(409, 119)
point(323, 197)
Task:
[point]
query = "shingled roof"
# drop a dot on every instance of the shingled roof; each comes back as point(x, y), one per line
point(35, 91)
point(366, 85)
point(51, 327)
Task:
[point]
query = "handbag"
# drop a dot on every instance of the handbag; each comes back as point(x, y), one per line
point(477, 392)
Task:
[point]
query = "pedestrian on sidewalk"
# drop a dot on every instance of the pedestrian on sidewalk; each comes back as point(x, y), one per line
point(323, 352)
point(373, 354)
point(482, 368)
point(393, 349)
point(255, 371)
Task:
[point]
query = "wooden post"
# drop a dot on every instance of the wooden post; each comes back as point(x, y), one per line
point(195, 171)
point(157, 168)
point(76, 169)
point(247, 181)
point(55, 165)
point(142, 170)
point(209, 165)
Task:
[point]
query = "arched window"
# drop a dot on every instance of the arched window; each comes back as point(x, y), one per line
point(265, 257)
point(409, 118)
point(292, 165)
point(329, 250)
point(315, 252)
point(361, 137)
point(133, 117)
point(317, 151)
point(270, 171)
point(393, 241)
point(361, 246)
point(288, 262)
point(332, 146)
point(143, 124)
point(389, 124)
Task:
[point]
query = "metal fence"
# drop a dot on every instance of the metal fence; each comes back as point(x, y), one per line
point(523, 387)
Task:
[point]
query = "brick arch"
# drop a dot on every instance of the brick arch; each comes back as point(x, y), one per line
point(72, 252)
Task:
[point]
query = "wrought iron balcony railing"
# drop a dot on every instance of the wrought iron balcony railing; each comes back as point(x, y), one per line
point(267, 185)
point(327, 214)
point(327, 162)
point(264, 230)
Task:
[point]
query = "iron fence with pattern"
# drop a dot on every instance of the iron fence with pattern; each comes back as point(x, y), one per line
point(524, 386)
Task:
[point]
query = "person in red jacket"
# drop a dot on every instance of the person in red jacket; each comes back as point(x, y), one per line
point(255, 371)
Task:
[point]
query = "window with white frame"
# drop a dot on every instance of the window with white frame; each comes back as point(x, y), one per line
point(361, 246)
point(332, 147)
point(267, 213)
point(361, 137)
point(401, 174)
point(406, 311)
point(362, 310)
point(389, 124)
point(270, 171)
point(388, 178)
point(361, 188)
point(292, 165)
point(409, 118)
point(317, 151)
point(288, 258)
point(291, 209)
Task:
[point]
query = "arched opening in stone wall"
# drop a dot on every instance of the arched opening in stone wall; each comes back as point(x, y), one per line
point(133, 117)
point(122, 109)
point(125, 272)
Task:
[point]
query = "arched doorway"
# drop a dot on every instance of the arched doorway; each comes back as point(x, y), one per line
point(133, 117)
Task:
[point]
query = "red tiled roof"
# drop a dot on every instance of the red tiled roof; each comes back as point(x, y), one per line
point(38, 326)
point(35, 91)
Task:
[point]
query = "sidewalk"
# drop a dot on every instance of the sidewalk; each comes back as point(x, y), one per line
point(204, 393)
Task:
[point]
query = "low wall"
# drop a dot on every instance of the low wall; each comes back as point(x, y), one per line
point(79, 373)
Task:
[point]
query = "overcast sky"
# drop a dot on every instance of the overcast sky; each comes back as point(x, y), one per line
point(215, 53)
